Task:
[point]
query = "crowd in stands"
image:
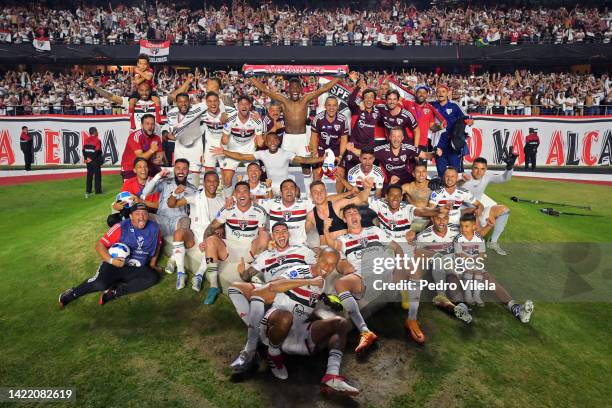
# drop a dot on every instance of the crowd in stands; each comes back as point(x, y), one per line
point(238, 22)
point(521, 93)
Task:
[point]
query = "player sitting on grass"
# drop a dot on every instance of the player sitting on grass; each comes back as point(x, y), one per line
point(435, 244)
point(290, 325)
point(477, 183)
point(470, 244)
point(203, 205)
point(119, 276)
point(267, 266)
point(245, 236)
point(359, 245)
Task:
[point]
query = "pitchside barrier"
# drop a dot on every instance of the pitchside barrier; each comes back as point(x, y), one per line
point(571, 141)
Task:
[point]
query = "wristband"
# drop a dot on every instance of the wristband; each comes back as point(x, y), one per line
point(110, 261)
point(173, 194)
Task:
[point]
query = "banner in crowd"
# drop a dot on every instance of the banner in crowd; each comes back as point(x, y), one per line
point(564, 141)
point(42, 44)
point(330, 70)
point(157, 51)
point(59, 139)
point(5, 36)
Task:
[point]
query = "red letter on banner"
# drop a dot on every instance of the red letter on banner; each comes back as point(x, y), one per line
point(517, 146)
point(556, 150)
point(6, 151)
point(587, 142)
point(52, 147)
point(474, 145)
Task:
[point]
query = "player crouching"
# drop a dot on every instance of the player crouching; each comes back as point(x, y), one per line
point(291, 327)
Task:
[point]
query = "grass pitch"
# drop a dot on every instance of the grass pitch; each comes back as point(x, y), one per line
point(164, 348)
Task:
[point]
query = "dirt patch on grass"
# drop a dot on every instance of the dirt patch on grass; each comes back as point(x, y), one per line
point(383, 374)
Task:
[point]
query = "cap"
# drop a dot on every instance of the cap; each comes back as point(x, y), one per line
point(419, 87)
point(138, 206)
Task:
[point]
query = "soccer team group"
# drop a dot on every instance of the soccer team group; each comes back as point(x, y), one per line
point(298, 252)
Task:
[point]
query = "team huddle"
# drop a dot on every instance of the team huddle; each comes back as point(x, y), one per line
point(301, 259)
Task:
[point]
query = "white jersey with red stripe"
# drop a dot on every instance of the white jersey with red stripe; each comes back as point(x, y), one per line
point(142, 108)
point(368, 242)
point(395, 224)
point(242, 134)
point(294, 216)
point(458, 198)
point(274, 261)
point(443, 245)
point(356, 176)
point(300, 301)
point(470, 247)
point(242, 227)
point(212, 126)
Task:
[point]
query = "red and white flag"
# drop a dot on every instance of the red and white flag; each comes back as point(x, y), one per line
point(42, 44)
point(157, 51)
point(404, 93)
point(5, 36)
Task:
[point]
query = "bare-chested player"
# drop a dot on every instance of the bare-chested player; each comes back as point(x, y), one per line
point(295, 109)
point(418, 193)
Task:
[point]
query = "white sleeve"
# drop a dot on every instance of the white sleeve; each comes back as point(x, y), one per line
point(501, 178)
point(125, 102)
point(190, 198)
point(258, 154)
point(222, 216)
point(310, 257)
point(259, 261)
point(373, 203)
point(289, 156)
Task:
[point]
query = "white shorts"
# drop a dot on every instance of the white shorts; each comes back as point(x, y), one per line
point(192, 153)
point(483, 217)
point(167, 225)
point(297, 143)
point(211, 160)
point(236, 251)
point(298, 341)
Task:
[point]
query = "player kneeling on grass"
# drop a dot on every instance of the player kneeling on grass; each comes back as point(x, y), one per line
point(245, 236)
point(120, 276)
point(470, 244)
point(291, 326)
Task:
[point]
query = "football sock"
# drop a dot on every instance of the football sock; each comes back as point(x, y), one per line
point(179, 255)
point(350, 304)
point(240, 302)
point(414, 298)
point(256, 313)
point(274, 350)
point(212, 273)
point(333, 362)
point(500, 224)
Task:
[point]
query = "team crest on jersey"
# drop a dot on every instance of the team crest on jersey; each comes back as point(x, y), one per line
point(337, 127)
point(312, 300)
point(403, 157)
point(243, 224)
point(287, 215)
point(281, 259)
point(363, 241)
point(140, 242)
point(449, 111)
point(392, 224)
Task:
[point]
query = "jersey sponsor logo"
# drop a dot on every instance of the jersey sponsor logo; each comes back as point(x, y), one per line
point(293, 274)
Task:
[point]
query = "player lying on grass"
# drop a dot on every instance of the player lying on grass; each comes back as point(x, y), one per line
point(290, 326)
point(470, 244)
point(118, 276)
point(266, 267)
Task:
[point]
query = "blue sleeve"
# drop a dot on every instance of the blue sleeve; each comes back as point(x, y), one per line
point(443, 142)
